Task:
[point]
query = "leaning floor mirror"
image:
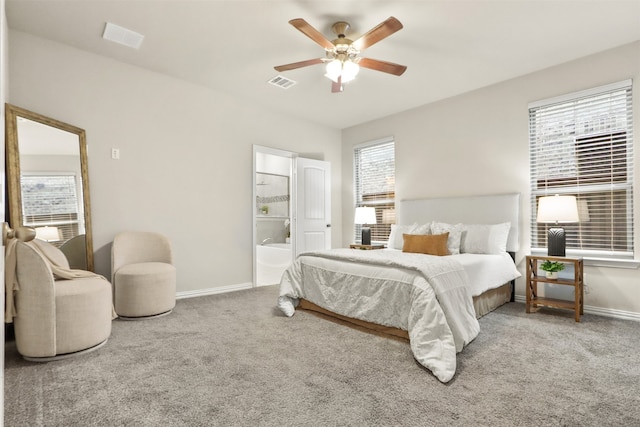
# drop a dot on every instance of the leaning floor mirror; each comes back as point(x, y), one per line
point(48, 182)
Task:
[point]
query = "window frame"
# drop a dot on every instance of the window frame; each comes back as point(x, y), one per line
point(601, 256)
point(379, 229)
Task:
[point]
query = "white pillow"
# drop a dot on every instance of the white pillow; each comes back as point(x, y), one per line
point(485, 238)
point(395, 237)
point(455, 235)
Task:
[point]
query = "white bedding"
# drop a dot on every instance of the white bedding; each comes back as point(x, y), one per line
point(428, 296)
point(485, 271)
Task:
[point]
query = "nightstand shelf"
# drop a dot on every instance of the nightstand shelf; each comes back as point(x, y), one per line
point(554, 303)
point(366, 247)
point(577, 281)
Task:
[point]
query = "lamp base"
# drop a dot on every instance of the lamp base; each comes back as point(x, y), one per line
point(366, 236)
point(556, 242)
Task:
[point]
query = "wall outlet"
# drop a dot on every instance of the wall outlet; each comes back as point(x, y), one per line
point(115, 153)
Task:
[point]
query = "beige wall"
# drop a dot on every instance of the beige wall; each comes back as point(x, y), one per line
point(477, 143)
point(186, 156)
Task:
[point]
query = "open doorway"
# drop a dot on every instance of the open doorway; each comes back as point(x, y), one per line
point(291, 210)
point(272, 213)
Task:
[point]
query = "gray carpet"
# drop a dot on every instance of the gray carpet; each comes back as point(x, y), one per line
point(233, 359)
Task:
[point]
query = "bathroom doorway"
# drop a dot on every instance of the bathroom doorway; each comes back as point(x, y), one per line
point(273, 190)
point(291, 210)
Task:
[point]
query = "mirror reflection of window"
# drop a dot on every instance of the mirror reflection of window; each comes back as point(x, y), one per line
point(50, 205)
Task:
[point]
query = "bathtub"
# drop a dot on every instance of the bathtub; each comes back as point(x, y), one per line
point(271, 261)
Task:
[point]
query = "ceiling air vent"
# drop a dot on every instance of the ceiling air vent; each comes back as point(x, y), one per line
point(282, 82)
point(115, 33)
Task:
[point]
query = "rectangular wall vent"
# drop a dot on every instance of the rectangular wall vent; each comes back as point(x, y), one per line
point(115, 33)
point(282, 82)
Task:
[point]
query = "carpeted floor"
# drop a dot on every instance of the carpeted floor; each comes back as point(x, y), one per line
point(233, 359)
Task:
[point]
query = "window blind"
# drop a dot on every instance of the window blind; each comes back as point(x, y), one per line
point(51, 200)
point(582, 144)
point(374, 182)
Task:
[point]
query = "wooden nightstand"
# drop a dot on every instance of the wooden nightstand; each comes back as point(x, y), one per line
point(366, 247)
point(577, 281)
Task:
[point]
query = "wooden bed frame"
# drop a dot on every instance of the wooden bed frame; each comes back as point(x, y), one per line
point(491, 209)
point(483, 304)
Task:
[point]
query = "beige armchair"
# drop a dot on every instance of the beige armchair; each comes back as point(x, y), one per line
point(56, 318)
point(143, 275)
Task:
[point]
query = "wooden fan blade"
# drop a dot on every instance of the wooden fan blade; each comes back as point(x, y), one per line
point(300, 64)
point(384, 66)
point(337, 87)
point(378, 33)
point(305, 28)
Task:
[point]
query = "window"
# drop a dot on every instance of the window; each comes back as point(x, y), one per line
point(581, 144)
point(51, 201)
point(374, 181)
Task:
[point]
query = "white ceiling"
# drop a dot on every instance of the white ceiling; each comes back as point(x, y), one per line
point(449, 46)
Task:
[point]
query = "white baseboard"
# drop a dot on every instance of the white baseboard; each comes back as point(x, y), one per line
point(608, 312)
point(213, 291)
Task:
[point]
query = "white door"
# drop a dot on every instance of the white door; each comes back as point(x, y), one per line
point(312, 215)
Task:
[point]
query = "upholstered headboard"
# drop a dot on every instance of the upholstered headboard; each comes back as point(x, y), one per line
point(489, 209)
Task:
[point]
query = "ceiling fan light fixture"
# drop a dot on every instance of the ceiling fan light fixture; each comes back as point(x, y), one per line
point(334, 70)
point(342, 59)
point(344, 70)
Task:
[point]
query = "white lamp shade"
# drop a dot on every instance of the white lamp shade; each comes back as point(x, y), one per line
point(557, 209)
point(365, 215)
point(48, 234)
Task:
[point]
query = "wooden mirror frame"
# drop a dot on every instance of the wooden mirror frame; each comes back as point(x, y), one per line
point(14, 193)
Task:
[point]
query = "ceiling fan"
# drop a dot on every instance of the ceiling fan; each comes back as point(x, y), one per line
point(342, 54)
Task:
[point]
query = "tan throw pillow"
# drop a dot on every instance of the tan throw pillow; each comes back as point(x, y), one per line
point(435, 244)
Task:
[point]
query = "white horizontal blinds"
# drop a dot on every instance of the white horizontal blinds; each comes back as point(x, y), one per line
point(374, 180)
point(51, 200)
point(583, 146)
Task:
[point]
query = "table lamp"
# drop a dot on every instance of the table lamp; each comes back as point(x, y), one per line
point(364, 216)
point(48, 234)
point(557, 209)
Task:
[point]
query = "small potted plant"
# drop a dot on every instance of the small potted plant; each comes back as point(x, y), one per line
point(552, 268)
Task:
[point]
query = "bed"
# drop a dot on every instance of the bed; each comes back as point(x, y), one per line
point(432, 300)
